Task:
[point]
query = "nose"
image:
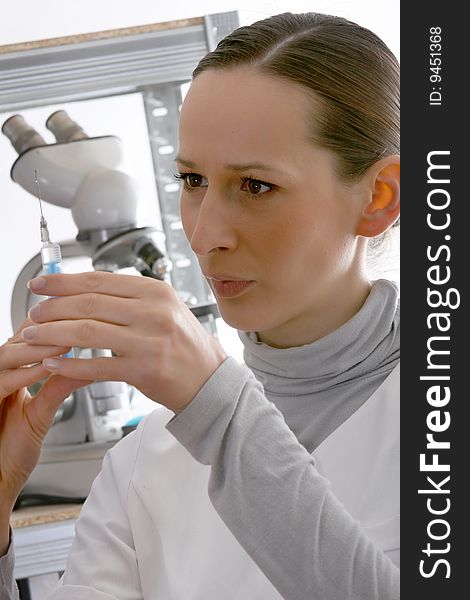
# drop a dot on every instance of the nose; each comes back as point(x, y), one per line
point(209, 224)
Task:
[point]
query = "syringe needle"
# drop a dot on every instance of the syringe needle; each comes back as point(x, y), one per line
point(43, 220)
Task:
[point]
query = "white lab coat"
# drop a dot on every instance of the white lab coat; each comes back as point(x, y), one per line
point(133, 538)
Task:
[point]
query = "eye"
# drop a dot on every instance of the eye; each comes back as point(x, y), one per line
point(255, 186)
point(191, 180)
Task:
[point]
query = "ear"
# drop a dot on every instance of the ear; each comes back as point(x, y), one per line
point(382, 207)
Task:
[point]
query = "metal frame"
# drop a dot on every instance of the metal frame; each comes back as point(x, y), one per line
point(41, 549)
point(106, 63)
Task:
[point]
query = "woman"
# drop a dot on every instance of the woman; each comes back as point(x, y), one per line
point(284, 485)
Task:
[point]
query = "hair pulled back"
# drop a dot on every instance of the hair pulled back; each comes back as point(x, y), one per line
point(352, 73)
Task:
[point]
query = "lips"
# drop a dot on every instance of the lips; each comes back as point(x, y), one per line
point(229, 288)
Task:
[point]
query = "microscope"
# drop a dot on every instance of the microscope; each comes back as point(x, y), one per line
point(82, 173)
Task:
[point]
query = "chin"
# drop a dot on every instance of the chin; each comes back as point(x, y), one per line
point(244, 320)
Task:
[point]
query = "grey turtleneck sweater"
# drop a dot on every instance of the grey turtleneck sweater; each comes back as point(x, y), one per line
point(318, 386)
point(258, 437)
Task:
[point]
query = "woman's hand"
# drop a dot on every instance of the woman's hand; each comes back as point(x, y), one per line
point(25, 420)
point(159, 346)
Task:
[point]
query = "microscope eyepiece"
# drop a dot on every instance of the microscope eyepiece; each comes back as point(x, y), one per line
point(22, 136)
point(64, 128)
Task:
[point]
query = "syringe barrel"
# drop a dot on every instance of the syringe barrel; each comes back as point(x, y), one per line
point(51, 258)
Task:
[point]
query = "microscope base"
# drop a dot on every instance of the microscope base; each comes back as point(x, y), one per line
point(67, 470)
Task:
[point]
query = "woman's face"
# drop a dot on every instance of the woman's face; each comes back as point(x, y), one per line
point(272, 225)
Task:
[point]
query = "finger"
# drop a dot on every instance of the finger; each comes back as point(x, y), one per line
point(98, 282)
point(17, 335)
point(83, 333)
point(91, 369)
point(58, 385)
point(99, 307)
point(13, 380)
point(53, 393)
point(21, 354)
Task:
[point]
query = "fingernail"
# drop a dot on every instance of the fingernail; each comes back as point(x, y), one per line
point(34, 312)
point(29, 333)
point(52, 364)
point(37, 283)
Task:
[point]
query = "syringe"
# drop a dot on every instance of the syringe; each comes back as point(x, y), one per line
point(51, 256)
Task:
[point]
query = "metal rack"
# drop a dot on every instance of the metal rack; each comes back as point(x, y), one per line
point(107, 62)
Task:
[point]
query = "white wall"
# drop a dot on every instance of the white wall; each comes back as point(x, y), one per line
point(31, 20)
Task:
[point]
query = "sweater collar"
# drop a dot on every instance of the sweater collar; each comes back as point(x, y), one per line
point(359, 347)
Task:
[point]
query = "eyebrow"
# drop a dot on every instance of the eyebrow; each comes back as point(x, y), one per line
point(234, 167)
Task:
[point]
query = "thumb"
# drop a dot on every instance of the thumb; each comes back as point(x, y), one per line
point(47, 401)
